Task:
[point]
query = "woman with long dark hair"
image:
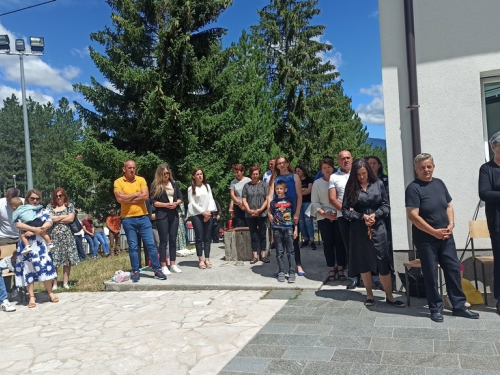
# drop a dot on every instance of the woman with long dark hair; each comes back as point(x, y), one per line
point(365, 205)
point(200, 207)
point(62, 213)
point(305, 222)
point(283, 172)
point(166, 196)
point(378, 170)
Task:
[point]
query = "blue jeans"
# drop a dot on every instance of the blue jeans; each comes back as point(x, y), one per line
point(283, 239)
point(306, 222)
point(103, 240)
point(141, 224)
point(3, 291)
point(93, 244)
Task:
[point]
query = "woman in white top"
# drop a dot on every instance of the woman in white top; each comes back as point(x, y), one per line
point(333, 246)
point(200, 210)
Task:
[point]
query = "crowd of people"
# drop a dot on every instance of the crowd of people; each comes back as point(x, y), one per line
point(350, 204)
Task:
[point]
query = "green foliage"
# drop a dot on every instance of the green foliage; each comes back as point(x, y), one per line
point(53, 131)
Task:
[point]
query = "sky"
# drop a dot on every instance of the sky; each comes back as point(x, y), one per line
point(352, 27)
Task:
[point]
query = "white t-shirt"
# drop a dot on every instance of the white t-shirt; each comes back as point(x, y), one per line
point(267, 177)
point(338, 181)
point(200, 202)
point(319, 198)
point(7, 229)
point(237, 186)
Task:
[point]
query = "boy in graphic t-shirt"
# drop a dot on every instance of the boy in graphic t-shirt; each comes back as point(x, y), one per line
point(282, 209)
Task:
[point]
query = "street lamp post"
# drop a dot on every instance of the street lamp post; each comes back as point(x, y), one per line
point(37, 45)
point(14, 177)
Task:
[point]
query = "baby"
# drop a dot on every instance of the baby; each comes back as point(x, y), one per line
point(26, 213)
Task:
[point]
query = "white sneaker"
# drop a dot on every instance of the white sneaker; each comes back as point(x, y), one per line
point(175, 269)
point(7, 307)
point(54, 287)
point(26, 250)
point(165, 271)
point(66, 286)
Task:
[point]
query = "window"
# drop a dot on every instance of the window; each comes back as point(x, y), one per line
point(491, 110)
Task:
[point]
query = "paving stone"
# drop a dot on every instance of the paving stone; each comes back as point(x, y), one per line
point(329, 311)
point(263, 351)
point(326, 303)
point(465, 347)
point(403, 321)
point(346, 321)
point(298, 302)
point(490, 325)
point(266, 339)
point(296, 319)
point(299, 340)
point(471, 335)
point(442, 371)
point(484, 363)
point(421, 333)
point(362, 331)
point(252, 365)
point(460, 323)
point(357, 356)
point(278, 328)
point(369, 369)
point(402, 345)
point(322, 368)
point(311, 329)
point(288, 367)
point(420, 359)
point(344, 342)
point(309, 295)
point(297, 310)
point(282, 294)
point(301, 353)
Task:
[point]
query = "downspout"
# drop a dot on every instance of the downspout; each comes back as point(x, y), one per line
point(412, 77)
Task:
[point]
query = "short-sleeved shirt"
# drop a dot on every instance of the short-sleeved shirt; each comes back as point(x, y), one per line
point(87, 224)
point(306, 198)
point(237, 186)
point(130, 187)
point(338, 181)
point(267, 177)
point(256, 195)
point(282, 210)
point(431, 198)
point(289, 180)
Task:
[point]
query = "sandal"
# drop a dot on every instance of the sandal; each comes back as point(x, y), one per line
point(202, 265)
point(254, 260)
point(396, 303)
point(53, 298)
point(332, 275)
point(208, 264)
point(266, 260)
point(32, 302)
point(369, 302)
point(341, 276)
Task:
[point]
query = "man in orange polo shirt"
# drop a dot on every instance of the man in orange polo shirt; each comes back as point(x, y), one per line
point(113, 224)
point(131, 192)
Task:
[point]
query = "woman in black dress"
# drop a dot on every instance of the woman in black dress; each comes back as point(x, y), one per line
point(366, 206)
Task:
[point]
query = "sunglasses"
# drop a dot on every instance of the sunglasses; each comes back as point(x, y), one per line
point(60, 196)
point(34, 199)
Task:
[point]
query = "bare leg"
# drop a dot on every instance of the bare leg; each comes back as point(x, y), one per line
point(52, 296)
point(66, 272)
point(387, 283)
point(31, 293)
point(262, 254)
point(367, 280)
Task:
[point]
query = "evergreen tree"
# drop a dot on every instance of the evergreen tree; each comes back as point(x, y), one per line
point(161, 58)
point(315, 117)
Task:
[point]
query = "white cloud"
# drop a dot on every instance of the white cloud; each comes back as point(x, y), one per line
point(6, 92)
point(36, 71)
point(111, 87)
point(333, 56)
point(80, 52)
point(372, 112)
point(373, 14)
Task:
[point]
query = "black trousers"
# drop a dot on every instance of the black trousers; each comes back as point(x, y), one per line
point(215, 229)
point(239, 217)
point(444, 252)
point(202, 234)
point(296, 249)
point(495, 245)
point(167, 231)
point(333, 243)
point(257, 226)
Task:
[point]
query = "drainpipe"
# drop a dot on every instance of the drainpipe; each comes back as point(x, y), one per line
point(412, 77)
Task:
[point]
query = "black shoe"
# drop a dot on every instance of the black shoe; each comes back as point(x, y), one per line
point(352, 284)
point(498, 307)
point(437, 317)
point(465, 313)
point(313, 246)
point(273, 246)
point(304, 243)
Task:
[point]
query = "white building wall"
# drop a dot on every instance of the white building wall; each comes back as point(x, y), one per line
point(456, 45)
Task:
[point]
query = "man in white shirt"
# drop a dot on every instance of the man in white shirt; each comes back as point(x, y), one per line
point(338, 181)
point(267, 176)
point(9, 234)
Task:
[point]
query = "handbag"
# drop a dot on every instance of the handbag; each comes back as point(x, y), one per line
point(75, 226)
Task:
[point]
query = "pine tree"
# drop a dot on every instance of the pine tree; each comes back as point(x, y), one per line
point(315, 118)
point(160, 59)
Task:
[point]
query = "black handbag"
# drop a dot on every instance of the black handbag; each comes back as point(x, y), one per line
point(75, 226)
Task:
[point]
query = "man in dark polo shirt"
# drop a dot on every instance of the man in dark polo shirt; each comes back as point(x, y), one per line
point(429, 208)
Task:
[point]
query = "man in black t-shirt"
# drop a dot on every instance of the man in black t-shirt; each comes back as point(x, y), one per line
point(429, 208)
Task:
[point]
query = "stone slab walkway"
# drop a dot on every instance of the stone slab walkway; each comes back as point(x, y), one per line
point(228, 276)
point(165, 332)
point(330, 331)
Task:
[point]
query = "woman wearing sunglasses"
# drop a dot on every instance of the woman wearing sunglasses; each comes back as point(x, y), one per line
point(36, 265)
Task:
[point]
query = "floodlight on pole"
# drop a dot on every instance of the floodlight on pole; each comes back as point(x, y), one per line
point(37, 45)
